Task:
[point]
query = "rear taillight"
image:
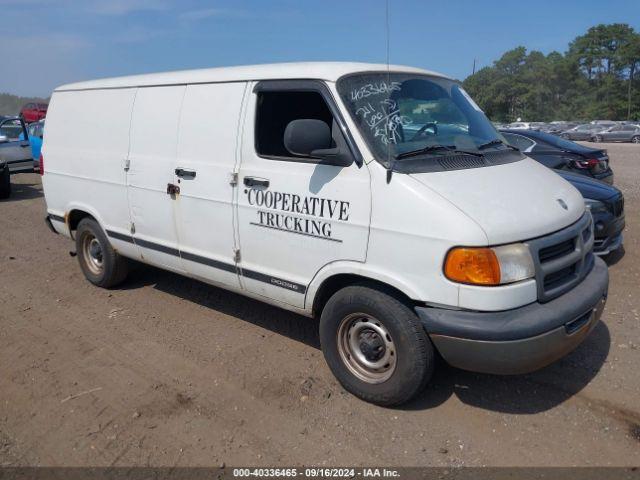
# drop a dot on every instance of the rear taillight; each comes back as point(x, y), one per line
point(589, 163)
point(41, 168)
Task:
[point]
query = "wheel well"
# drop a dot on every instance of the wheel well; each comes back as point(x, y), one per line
point(74, 217)
point(337, 282)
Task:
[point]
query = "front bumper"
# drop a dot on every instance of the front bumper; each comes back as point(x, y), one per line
point(608, 233)
point(523, 339)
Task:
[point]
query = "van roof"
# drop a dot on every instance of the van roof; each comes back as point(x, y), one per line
point(330, 71)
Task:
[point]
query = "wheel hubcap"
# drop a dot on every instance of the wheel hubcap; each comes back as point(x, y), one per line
point(366, 348)
point(92, 251)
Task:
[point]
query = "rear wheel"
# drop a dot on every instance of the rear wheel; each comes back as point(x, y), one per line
point(99, 262)
point(565, 136)
point(375, 345)
point(597, 139)
point(636, 139)
point(5, 183)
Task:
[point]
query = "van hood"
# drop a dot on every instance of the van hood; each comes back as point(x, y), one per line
point(511, 202)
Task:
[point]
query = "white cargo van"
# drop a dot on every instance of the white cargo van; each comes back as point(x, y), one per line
point(380, 200)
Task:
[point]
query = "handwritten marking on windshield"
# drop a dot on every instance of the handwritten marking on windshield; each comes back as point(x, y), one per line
point(384, 121)
point(371, 89)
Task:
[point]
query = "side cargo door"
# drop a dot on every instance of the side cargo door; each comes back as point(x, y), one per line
point(296, 214)
point(151, 168)
point(206, 161)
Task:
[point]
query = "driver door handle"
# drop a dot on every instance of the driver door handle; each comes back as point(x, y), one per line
point(256, 182)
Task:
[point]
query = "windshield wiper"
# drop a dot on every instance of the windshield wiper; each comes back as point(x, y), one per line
point(496, 142)
point(434, 149)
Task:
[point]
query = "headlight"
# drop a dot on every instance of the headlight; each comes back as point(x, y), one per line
point(595, 206)
point(489, 266)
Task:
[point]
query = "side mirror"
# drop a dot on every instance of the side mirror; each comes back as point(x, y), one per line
point(3, 139)
point(309, 137)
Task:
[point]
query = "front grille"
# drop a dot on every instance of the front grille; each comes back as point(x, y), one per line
point(563, 258)
point(616, 207)
point(555, 279)
point(555, 251)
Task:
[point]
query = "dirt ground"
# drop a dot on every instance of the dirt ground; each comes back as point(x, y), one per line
point(168, 371)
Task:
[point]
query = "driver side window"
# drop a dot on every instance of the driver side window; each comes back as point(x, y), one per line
point(275, 110)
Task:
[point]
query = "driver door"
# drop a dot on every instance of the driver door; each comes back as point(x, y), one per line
point(295, 214)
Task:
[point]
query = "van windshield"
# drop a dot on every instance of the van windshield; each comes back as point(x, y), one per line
point(399, 113)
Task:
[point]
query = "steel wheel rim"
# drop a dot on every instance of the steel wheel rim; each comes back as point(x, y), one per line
point(92, 253)
point(636, 139)
point(366, 348)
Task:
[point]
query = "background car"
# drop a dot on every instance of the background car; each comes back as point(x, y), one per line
point(606, 203)
point(519, 126)
point(5, 179)
point(561, 154)
point(556, 128)
point(15, 153)
point(618, 133)
point(604, 123)
point(582, 132)
point(33, 112)
point(14, 148)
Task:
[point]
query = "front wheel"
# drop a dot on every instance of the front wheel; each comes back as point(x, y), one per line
point(636, 139)
point(5, 183)
point(375, 345)
point(100, 263)
point(597, 139)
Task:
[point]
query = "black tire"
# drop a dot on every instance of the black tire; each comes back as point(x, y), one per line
point(99, 262)
point(413, 361)
point(5, 183)
point(597, 139)
point(635, 139)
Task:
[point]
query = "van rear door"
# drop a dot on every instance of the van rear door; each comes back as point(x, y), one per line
point(151, 172)
point(295, 214)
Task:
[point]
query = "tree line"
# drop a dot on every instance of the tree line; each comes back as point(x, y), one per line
point(596, 78)
point(11, 104)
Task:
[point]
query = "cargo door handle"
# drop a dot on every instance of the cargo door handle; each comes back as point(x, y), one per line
point(256, 182)
point(184, 173)
point(172, 189)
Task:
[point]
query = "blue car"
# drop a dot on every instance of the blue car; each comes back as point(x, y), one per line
point(36, 134)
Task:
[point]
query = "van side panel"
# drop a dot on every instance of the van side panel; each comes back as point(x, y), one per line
point(84, 149)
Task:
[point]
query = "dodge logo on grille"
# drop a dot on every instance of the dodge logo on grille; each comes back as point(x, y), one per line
point(562, 203)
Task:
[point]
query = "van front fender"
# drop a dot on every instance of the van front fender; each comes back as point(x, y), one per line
point(356, 270)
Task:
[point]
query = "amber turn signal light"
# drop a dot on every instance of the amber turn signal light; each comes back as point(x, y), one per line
point(478, 266)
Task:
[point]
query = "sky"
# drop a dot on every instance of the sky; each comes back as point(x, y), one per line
point(51, 42)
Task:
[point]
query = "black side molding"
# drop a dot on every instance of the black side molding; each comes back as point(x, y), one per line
point(227, 267)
